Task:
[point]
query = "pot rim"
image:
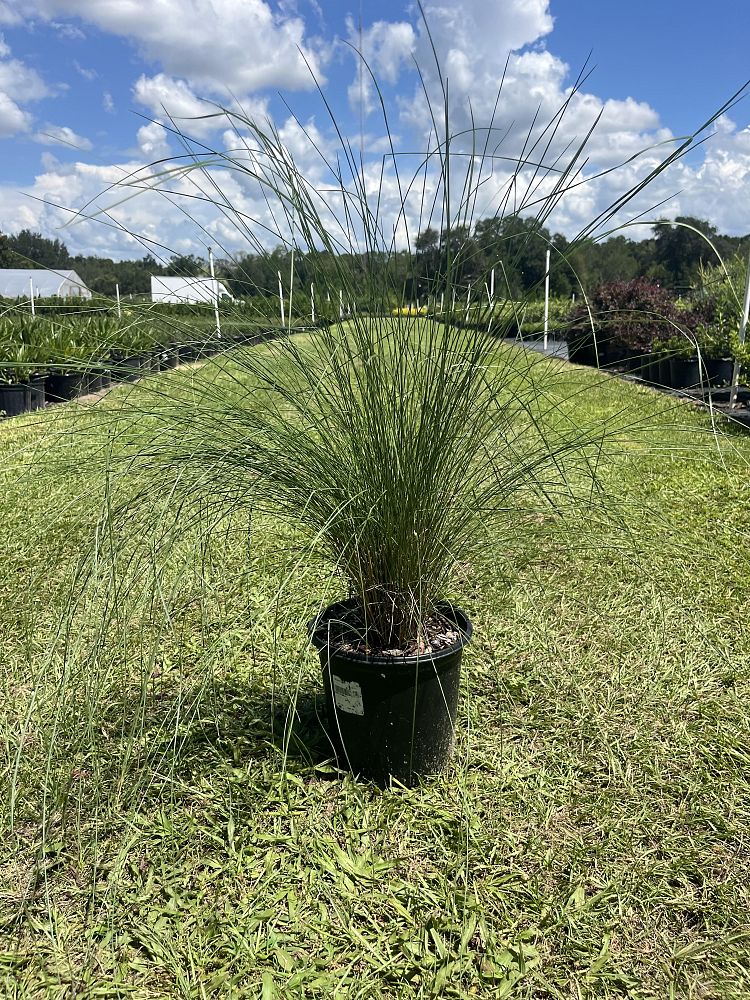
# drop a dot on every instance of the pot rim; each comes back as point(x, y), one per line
point(318, 636)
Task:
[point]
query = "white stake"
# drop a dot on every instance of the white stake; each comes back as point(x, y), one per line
point(31, 290)
point(442, 296)
point(468, 297)
point(312, 302)
point(281, 300)
point(742, 334)
point(291, 286)
point(119, 309)
point(492, 287)
point(546, 303)
point(341, 303)
point(216, 291)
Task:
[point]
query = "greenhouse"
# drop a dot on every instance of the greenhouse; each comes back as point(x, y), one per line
point(20, 283)
point(187, 290)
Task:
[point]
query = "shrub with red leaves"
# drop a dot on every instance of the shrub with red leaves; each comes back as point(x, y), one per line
point(629, 317)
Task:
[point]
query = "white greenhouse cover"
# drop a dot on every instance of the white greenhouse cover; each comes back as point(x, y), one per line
point(16, 283)
point(187, 289)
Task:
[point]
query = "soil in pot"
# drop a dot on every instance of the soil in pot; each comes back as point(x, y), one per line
point(390, 716)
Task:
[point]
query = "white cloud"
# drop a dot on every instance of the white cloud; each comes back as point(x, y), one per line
point(108, 103)
point(385, 47)
point(500, 74)
point(152, 141)
point(19, 81)
point(175, 99)
point(8, 15)
point(84, 71)
point(68, 32)
point(243, 45)
point(50, 135)
point(717, 187)
point(12, 118)
point(19, 84)
point(219, 45)
point(164, 96)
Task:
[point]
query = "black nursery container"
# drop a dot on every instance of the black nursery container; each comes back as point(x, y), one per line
point(127, 369)
point(62, 386)
point(37, 392)
point(719, 371)
point(14, 400)
point(99, 379)
point(684, 373)
point(390, 716)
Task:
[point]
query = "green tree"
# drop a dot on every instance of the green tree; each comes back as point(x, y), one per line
point(186, 266)
point(6, 254)
point(34, 250)
point(681, 251)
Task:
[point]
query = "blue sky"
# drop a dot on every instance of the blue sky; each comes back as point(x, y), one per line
point(75, 75)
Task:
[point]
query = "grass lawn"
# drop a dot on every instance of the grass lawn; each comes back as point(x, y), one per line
point(171, 827)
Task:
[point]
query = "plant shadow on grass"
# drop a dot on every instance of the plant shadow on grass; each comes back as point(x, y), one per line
point(241, 723)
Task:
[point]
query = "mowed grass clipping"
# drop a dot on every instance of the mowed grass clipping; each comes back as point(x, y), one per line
point(171, 826)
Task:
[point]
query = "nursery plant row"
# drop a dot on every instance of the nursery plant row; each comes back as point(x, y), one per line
point(47, 361)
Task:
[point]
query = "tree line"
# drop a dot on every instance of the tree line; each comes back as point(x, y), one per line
point(515, 247)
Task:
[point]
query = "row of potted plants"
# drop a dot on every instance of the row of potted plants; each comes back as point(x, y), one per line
point(639, 327)
point(48, 361)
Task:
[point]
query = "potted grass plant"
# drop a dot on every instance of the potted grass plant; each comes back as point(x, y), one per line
point(391, 438)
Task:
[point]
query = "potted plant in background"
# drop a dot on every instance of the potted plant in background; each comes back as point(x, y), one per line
point(21, 383)
point(718, 308)
point(620, 325)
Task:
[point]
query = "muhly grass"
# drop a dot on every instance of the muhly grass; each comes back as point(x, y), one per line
point(392, 443)
point(171, 826)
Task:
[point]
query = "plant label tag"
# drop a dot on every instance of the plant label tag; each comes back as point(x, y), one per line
point(348, 696)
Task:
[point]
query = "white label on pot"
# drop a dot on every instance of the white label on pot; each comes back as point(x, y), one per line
point(348, 696)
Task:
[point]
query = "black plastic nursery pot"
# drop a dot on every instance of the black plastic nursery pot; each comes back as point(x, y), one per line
point(128, 369)
point(684, 373)
point(168, 358)
point(719, 371)
point(390, 716)
point(37, 392)
point(636, 364)
point(650, 370)
point(14, 399)
point(62, 386)
point(184, 353)
point(99, 379)
point(152, 362)
point(663, 372)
